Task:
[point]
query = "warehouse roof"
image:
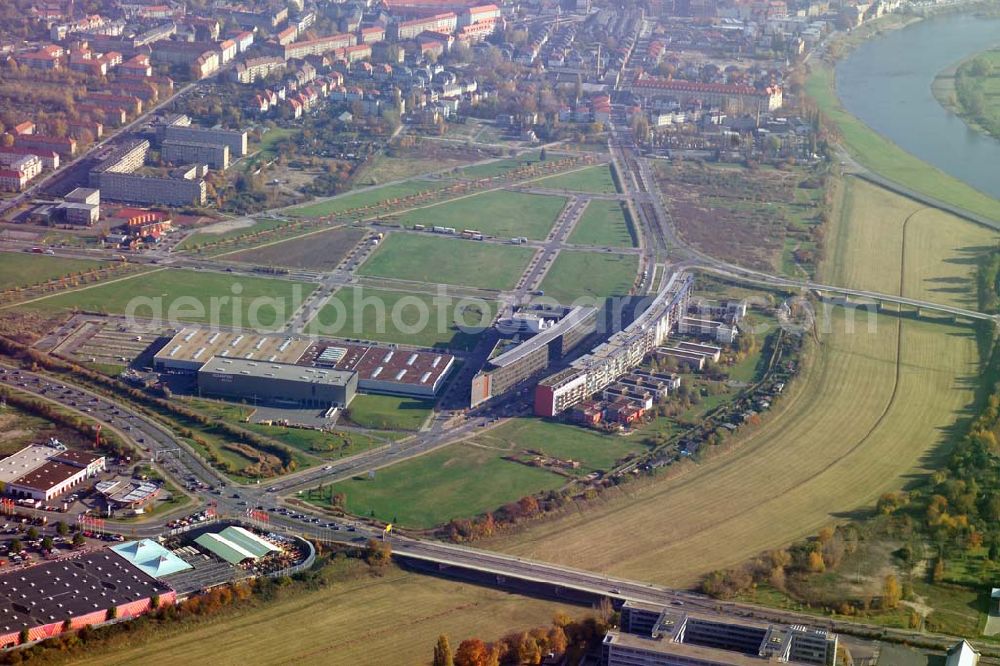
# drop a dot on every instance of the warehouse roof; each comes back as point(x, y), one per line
point(224, 548)
point(151, 558)
point(26, 460)
point(197, 345)
point(47, 476)
point(52, 591)
point(382, 364)
point(279, 371)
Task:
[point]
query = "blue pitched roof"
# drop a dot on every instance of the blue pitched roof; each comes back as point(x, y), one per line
point(151, 557)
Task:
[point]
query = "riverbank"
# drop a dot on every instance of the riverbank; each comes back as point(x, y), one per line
point(873, 150)
point(971, 90)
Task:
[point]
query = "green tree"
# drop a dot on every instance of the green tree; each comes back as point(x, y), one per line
point(442, 652)
point(32, 533)
point(78, 540)
point(62, 529)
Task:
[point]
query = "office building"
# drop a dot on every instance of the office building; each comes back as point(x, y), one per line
point(276, 383)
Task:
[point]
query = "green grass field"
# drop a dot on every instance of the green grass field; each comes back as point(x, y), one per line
point(361, 198)
point(356, 312)
point(497, 167)
point(189, 296)
point(593, 275)
point(496, 213)
point(471, 477)
point(389, 412)
point(603, 224)
point(460, 480)
point(595, 179)
point(448, 261)
point(888, 159)
point(24, 270)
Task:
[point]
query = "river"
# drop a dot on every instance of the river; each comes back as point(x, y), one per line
point(886, 82)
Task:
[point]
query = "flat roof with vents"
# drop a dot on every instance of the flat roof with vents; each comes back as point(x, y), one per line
point(385, 369)
point(53, 591)
point(25, 461)
point(193, 346)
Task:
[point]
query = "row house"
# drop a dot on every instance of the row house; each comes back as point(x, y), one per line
point(258, 68)
point(95, 64)
point(145, 91)
point(131, 103)
point(477, 32)
point(137, 67)
point(444, 23)
point(12, 180)
point(49, 158)
point(48, 57)
point(29, 165)
point(299, 50)
point(244, 40)
point(91, 23)
point(357, 52)
point(25, 127)
point(79, 129)
point(478, 14)
point(371, 35)
point(115, 117)
point(65, 146)
point(287, 36)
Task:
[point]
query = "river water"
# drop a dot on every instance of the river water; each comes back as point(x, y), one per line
point(886, 82)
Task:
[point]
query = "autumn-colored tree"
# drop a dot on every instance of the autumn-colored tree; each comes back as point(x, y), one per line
point(442, 652)
point(472, 652)
point(378, 553)
point(938, 574)
point(816, 563)
point(890, 592)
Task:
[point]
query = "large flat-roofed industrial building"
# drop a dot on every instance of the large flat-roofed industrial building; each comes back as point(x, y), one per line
point(380, 369)
point(45, 472)
point(388, 370)
point(525, 360)
point(72, 593)
point(656, 636)
point(276, 383)
point(192, 347)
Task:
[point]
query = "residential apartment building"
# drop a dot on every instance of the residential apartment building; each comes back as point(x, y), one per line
point(65, 146)
point(258, 68)
point(29, 165)
point(236, 140)
point(313, 46)
point(147, 190)
point(444, 23)
point(733, 98)
point(192, 152)
point(49, 158)
point(12, 180)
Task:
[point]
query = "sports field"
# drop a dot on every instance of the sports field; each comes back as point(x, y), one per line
point(189, 296)
point(397, 616)
point(496, 213)
point(603, 224)
point(24, 270)
point(365, 197)
point(592, 275)
point(448, 261)
point(468, 478)
point(394, 316)
point(595, 179)
point(389, 412)
point(870, 408)
point(888, 159)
